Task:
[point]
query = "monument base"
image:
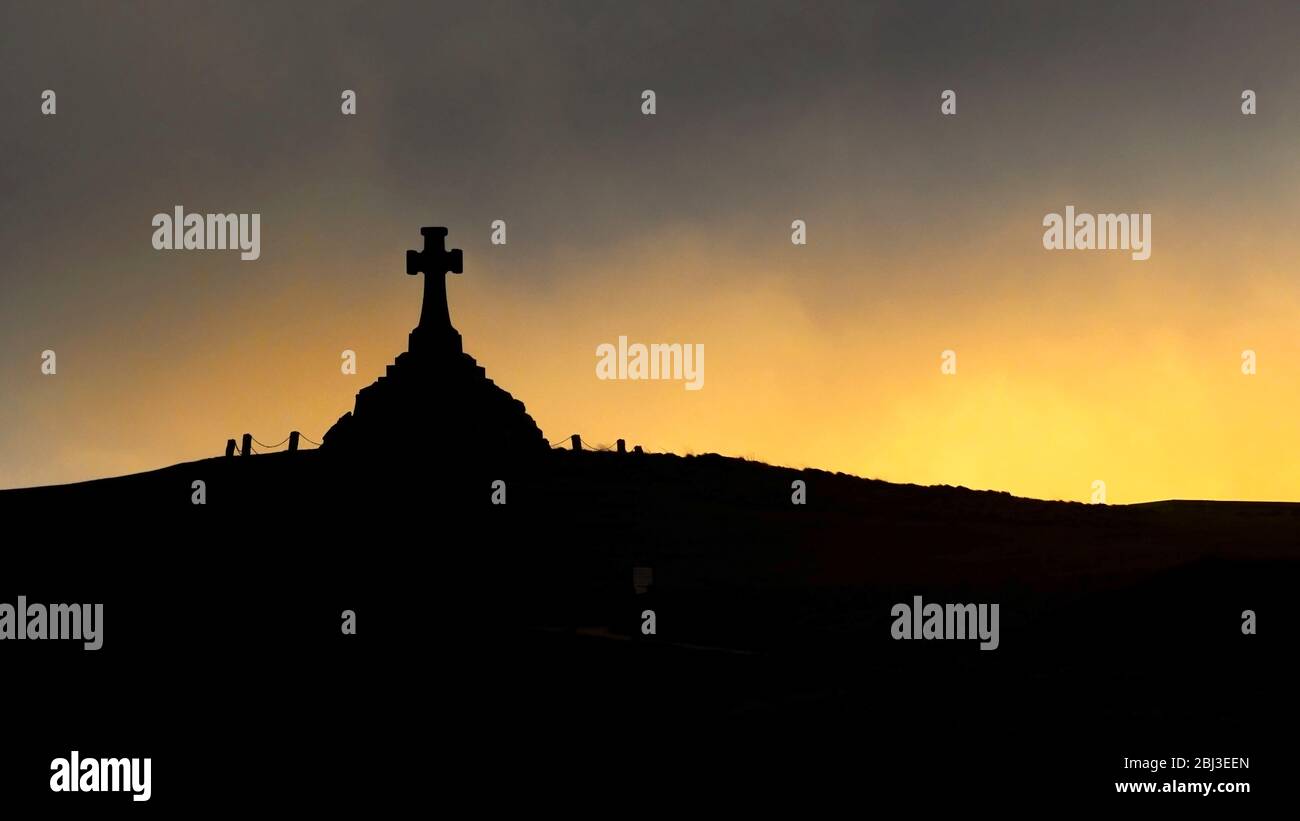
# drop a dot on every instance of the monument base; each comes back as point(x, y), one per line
point(436, 398)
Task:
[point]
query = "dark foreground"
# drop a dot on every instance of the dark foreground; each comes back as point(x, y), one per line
point(499, 651)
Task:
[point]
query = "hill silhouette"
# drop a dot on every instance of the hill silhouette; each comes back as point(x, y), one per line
point(1120, 624)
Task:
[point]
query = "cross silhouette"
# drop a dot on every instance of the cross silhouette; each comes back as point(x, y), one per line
point(434, 261)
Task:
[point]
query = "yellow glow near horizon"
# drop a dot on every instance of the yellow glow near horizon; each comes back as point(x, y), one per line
point(1086, 367)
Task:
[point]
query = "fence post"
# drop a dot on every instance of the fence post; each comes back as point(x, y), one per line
point(622, 446)
point(248, 445)
point(230, 448)
point(293, 440)
point(577, 442)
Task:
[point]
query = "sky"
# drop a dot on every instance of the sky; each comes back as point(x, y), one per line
point(924, 231)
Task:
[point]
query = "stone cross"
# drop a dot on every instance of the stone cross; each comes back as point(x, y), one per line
point(434, 261)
